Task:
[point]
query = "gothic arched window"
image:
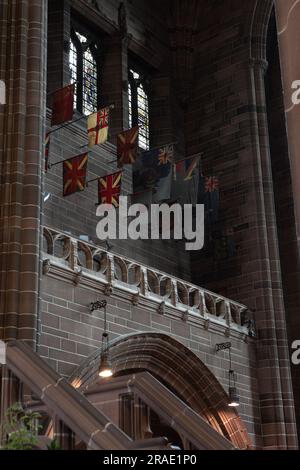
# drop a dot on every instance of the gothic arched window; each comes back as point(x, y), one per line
point(84, 71)
point(139, 107)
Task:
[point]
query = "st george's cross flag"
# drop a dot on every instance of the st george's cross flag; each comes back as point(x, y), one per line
point(74, 174)
point(97, 125)
point(127, 146)
point(47, 150)
point(109, 188)
point(62, 105)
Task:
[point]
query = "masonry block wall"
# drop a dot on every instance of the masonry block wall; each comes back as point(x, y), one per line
point(227, 120)
point(70, 332)
point(224, 116)
point(146, 43)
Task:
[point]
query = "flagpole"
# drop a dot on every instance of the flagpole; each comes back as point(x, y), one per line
point(189, 157)
point(111, 106)
point(102, 176)
point(145, 151)
point(141, 192)
point(62, 161)
point(58, 89)
point(67, 124)
point(159, 147)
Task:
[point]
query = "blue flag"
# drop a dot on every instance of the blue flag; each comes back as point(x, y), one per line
point(154, 171)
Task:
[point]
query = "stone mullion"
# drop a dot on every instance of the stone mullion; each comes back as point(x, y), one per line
point(114, 80)
point(272, 353)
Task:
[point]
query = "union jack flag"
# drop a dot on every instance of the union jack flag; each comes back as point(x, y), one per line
point(97, 125)
point(74, 174)
point(209, 196)
point(211, 184)
point(109, 189)
point(165, 155)
point(127, 146)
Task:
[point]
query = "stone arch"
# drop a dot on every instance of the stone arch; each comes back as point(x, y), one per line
point(191, 380)
point(259, 28)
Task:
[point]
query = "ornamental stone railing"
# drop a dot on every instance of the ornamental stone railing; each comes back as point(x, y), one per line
point(115, 270)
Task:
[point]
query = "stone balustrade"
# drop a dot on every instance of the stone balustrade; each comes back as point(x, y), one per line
point(115, 270)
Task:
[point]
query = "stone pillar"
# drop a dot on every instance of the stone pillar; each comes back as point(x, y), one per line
point(114, 82)
point(273, 364)
point(59, 27)
point(23, 27)
point(288, 17)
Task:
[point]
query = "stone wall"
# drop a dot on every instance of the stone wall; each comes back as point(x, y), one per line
point(147, 42)
point(69, 331)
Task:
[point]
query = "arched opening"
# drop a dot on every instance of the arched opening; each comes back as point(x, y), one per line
point(190, 379)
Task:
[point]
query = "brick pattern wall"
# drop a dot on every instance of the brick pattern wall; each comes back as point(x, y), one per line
point(226, 119)
point(76, 213)
point(69, 333)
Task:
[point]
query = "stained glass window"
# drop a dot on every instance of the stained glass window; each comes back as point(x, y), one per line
point(138, 107)
point(89, 101)
point(73, 68)
point(84, 71)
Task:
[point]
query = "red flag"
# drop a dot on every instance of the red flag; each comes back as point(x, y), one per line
point(74, 174)
point(62, 105)
point(109, 189)
point(127, 146)
point(47, 149)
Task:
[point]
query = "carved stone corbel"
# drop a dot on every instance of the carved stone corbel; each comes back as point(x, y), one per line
point(108, 290)
point(227, 332)
point(185, 315)
point(46, 266)
point(78, 275)
point(161, 308)
point(135, 298)
point(206, 324)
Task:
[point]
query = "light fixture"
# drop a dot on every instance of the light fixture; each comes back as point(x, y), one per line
point(105, 367)
point(234, 399)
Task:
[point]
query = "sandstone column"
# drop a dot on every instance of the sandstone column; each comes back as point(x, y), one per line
point(273, 363)
point(288, 18)
point(23, 28)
